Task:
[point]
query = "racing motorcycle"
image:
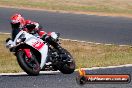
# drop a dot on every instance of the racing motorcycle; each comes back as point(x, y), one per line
point(35, 55)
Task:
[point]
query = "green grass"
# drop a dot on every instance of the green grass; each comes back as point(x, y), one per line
point(92, 55)
point(104, 6)
point(8, 61)
point(86, 55)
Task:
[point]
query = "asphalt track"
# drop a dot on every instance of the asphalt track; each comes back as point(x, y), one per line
point(90, 28)
point(59, 80)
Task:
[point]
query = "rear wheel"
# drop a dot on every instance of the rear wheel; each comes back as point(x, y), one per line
point(69, 66)
point(30, 65)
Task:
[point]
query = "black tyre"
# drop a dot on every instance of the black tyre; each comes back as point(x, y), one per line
point(68, 67)
point(30, 66)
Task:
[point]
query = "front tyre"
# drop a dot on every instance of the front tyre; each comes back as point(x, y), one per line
point(69, 66)
point(30, 66)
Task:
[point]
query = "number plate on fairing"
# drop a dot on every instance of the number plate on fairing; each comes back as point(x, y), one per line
point(35, 43)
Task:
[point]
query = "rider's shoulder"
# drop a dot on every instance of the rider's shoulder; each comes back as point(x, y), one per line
point(28, 21)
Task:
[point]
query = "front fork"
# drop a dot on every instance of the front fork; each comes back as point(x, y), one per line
point(28, 53)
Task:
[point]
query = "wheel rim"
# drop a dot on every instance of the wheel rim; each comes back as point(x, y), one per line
point(32, 63)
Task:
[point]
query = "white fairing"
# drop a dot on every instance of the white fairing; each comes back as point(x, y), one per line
point(9, 44)
point(43, 51)
point(36, 43)
point(54, 35)
point(41, 47)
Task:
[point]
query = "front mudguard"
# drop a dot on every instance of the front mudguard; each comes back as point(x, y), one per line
point(25, 46)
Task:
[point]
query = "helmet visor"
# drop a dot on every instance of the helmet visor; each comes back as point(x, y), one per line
point(14, 21)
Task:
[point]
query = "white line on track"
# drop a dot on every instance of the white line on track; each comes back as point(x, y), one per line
point(107, 44)
point(4, 33)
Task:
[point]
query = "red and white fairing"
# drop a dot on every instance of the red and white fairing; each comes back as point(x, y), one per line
point(36, 43)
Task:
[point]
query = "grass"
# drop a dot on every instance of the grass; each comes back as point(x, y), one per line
point(103, 6)
point(92, 55)
point(8, 61)
point(86, 55)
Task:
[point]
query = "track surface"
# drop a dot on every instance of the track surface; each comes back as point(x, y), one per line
point(117, 30)
point(58, 80)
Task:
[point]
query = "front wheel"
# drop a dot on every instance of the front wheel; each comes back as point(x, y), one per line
point(69, 66)
point(30, 66)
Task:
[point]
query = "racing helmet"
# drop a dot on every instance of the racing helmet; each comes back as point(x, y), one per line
point(17, 21)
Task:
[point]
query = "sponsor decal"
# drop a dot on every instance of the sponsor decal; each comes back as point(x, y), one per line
point(38, 45)
point(84, 78)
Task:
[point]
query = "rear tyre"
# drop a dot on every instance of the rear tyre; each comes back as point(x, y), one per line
point(68, 67)
point(30, 66)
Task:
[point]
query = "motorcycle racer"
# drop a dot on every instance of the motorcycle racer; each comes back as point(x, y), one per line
point(34, 54)
point(19, 23)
